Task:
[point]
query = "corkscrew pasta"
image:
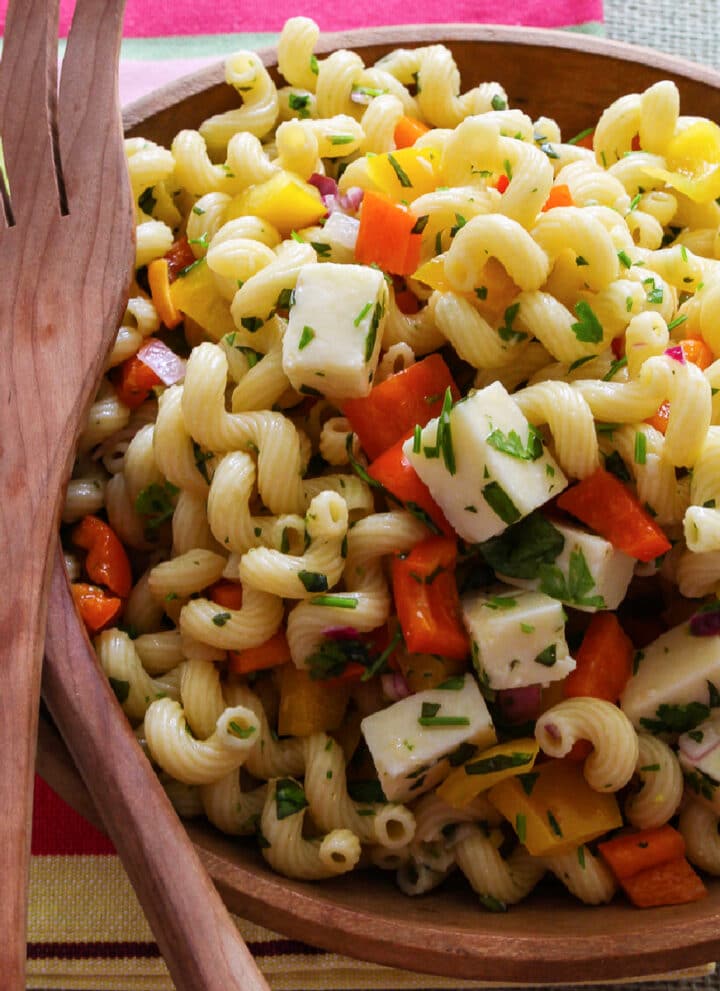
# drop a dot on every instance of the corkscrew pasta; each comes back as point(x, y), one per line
point(395, 517)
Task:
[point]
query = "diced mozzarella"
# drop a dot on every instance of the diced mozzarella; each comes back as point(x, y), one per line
point(676, 669)
point(410, 757)
point(584, 554)
point(334, 332)
point(489, 488)
point(340, 234)
point(518, 638)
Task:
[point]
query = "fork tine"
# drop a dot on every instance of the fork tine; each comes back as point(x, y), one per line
point(88, 87)
point(28, 78)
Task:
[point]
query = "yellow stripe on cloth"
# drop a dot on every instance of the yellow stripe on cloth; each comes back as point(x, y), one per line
point(87, 932)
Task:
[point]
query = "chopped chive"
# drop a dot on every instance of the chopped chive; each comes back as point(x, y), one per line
point(640, 448)
point(402, 175)
point(338, 601)
point(362, 314)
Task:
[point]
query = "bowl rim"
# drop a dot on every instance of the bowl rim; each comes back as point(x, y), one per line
point(185, 87)
point(303, 911)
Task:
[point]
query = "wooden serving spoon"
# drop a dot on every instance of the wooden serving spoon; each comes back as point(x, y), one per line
point(66, 244)
point(201, 945)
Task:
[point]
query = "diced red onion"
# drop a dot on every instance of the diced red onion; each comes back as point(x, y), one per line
point(394, 686)
point(705, 623)
point(341, 633)
point(324, 184)
point(520, 705)
point(352, 199)
point(695, 750)
point(552, 731)
point(676, 353)
point(168, 367)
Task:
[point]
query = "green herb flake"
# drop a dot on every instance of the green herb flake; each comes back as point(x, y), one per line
point(521, 826)
point(581, 857)
point(500, 502)
point(676, 718)
point(500, 602)
point(574, 588)
point(420, 224)
point(554, 824)
point(289, 798)
point(442, 721)
point(341, 139)
point(299, 102)
point(492, 904)
point(579, 137)
point(498, 103)
point(500, 762)
point(588, 328)
point(307, 335)
point(528, 781)
point(314, 67)
point(455, 684)
point(676, 322)
point(625, 259)
point(313, 581)
point(252, 324)
point(242, 732)
point(506, 331)
point(512, 444)
point(527, 628)
point(547, 657)
point(481, 292)
point(321, 248)
point(520, 551)
point(155, 504)
point(615, 367)
point(579, 362)
point(362, 314)
point(221, 618)
point(402, 175)
point(463, 753)
point(640, 454)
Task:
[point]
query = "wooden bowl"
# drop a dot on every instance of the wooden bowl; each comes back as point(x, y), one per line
point(550, 937)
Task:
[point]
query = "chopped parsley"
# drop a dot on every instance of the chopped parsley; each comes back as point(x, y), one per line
point(512, 444)
point(155, 504)
point(499, 762)
point(289, 798)
point(221, 618)
point(574, 587)
point(588, 328)
point(313, 581)
point(500, 502)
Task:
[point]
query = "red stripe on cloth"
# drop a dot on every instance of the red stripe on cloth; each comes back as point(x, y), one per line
point(149, 951)
point(59, 830)
point(92, 951)
point(163, 18)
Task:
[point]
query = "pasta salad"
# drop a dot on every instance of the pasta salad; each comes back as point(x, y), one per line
point(395, 520)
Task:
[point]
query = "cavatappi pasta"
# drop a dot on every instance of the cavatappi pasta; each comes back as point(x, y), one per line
point(395, 519)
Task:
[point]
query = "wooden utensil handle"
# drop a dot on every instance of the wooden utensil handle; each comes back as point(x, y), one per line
point(22, 620)
point(199, 941)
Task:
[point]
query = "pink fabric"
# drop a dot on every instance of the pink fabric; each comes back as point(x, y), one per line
point(191, 17)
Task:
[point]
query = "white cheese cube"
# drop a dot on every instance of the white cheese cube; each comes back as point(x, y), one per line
point(332, 341)
point(410, 755)
point(588, 574)
point(489, 468)
point(674, 670)
point(518, 638)
point(699, 748)
point(340, 235)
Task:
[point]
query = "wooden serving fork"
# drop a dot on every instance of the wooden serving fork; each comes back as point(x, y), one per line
point(66, 248)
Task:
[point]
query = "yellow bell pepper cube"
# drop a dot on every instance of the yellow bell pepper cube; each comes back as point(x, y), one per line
point(422, 671)
point(406, 173)
point(159, 283)
point(483, 771)
point(308, 706)
point(493, 294)
point(693, 159)
point(553, 809)
point(284, 200)
point(196, 295)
